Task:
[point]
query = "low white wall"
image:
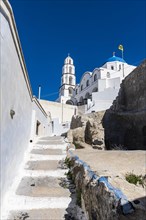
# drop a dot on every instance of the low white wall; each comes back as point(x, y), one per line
point(61, 111)
point(59, 128)
point(100, 105)
point(102, 100)
point(113, 83)
point(108, 94)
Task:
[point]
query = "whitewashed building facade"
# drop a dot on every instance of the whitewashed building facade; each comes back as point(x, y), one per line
point(96, 89)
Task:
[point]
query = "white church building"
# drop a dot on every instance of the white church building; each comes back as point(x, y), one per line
point(96, 90)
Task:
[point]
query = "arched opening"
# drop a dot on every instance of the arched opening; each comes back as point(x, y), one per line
point(95, 77)
point(70, 90)
point(108, 74)
point(81, 100)
point(70, 80)
point(85, 101)
point(70, 69)
point(69, 102)
point(95, 89)
point(81, 87)
point(87, 83)
point(87, 96)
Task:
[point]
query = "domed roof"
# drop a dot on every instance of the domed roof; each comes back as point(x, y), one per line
point(115, 58)
point(68, 60)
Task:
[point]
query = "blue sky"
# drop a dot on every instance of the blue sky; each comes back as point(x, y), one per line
point(89, 30)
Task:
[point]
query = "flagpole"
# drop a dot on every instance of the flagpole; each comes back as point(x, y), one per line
point(122, 54)
point(123, 63)
point(122, 51)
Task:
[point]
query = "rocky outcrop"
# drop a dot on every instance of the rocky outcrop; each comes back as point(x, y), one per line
point(125, 121)
point(94, 133)
point(79, 121)
point(75, 135)
point(87, 130)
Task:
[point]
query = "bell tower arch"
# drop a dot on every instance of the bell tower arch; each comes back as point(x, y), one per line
point(68, 79)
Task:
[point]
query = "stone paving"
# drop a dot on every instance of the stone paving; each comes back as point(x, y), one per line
point(39, 194)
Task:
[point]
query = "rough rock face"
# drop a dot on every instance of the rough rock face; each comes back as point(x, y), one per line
point(87, 130)
point(79, 121)
point(125, 121)
point(75, 135)
point(99, 199)
point(94, 134)
point(96, 196)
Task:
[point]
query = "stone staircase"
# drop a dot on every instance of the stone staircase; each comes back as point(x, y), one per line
point(39, 195)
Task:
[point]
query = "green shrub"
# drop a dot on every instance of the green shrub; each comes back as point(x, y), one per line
point(68, 162)
point(135, 179)
point(69, 175)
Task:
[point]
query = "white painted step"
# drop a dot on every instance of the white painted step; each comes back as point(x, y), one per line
point(46, 157)
point(26, 202)
point(41, 146)
point(42, 173)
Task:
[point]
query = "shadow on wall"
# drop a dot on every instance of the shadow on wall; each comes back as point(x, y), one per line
point(124, 132)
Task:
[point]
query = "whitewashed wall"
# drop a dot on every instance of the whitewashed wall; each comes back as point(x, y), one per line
point(61, 111)
point(16, 95)
point(106, 78)
point(101, 100)
point(15, 133)
point(59, 128)
point(39, 115)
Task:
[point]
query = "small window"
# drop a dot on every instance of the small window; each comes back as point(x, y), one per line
point(76, 91)
point(120, 67)
point(69, 61)
point(81, 87)
point(108, 75)
point(112, 67)
point(87, 83)
point(95, 77)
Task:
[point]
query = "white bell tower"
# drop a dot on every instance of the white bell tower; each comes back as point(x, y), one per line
point(68, 80)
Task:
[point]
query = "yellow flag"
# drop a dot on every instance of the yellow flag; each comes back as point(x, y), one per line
point(121, 47)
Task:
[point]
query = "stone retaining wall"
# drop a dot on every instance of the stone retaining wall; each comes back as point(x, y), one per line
point(99, 198)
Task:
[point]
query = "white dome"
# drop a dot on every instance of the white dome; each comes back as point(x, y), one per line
point(68, 60)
